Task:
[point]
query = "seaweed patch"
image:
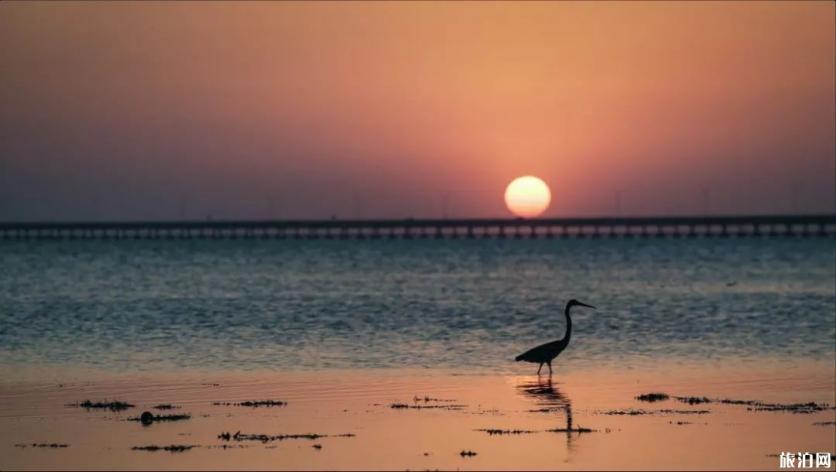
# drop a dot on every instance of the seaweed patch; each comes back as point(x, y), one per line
point(239, 436)
point(105, 405)
point(43, 445)
point(653, 397)
point(253, 403)
point(171, 448)
point(577, 429)
point(147, 417)
point(405, 406)
point(501, 432)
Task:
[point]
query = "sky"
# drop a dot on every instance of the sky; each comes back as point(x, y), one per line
point(189, 110)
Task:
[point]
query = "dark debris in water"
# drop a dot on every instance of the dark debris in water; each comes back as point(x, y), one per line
point(171, 448)
point(467, 453)
point(253, 403)
point(405, 406)
point(801, 408)
point(824, 423)
point(427, 399)
point(694, 400)
point(757, 405)
point(148, 418)
point(105, 405)
point(166, 406)
point(577, 429)
point(239, 436)
point(43, 445)
point(653, 397)
point(728, 401)
point(631, 412)
point(227, 446)
point(685, 412)
point(500, 432)
point(637, 412)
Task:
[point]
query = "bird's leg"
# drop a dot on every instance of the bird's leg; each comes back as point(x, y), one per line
point(541, 367)
point(550, 367)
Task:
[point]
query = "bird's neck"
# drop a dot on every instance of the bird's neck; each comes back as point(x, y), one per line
point(568, 325)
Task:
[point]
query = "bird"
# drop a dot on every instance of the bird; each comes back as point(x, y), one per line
point(545, 353)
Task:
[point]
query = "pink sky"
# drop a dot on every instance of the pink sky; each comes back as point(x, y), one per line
point(126, 111)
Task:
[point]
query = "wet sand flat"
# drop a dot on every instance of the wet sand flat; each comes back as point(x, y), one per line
point(426, 419)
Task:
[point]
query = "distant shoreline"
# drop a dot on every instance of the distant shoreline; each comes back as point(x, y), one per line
point(822, 225)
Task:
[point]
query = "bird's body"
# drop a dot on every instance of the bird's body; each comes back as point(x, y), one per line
point(545, 353)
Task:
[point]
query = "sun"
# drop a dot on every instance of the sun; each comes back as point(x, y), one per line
point(527, 196)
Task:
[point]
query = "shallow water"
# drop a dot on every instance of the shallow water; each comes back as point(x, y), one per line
point(231, 305)
point(669, 437)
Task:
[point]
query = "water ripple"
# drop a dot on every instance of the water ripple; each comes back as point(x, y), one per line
point(333, 304)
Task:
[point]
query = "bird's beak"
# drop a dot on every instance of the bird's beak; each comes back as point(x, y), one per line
point(588, 306)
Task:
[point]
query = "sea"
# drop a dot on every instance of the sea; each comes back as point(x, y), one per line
point(467, 305)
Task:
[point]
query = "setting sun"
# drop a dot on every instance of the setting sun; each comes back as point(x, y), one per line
point(527, 196)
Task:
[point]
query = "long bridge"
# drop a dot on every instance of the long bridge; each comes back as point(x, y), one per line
point(798, 226)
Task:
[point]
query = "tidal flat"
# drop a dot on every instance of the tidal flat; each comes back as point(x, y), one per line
point(345, 420)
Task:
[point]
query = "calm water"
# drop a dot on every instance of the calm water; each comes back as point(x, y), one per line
point(144, 305)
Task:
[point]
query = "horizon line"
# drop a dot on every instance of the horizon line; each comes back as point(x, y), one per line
point(410, 221)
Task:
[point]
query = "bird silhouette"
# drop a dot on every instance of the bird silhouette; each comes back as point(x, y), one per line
point(545, 353)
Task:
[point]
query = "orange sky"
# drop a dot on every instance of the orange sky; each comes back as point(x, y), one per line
point(279, 109)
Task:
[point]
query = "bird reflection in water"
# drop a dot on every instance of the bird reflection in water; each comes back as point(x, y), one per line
point(549, 399)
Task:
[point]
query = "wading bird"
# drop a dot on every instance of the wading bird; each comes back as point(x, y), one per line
point(545, 353)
